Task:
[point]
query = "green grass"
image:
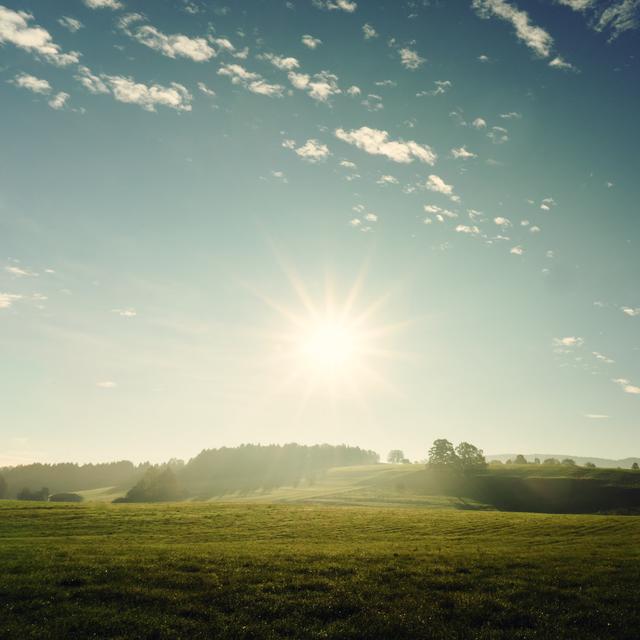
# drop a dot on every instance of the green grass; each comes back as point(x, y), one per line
point(219, 570)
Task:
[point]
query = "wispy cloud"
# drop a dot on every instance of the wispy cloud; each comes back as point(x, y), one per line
point(334, 5)
point(410, 59)
point(627, 387)
point(377, 142)
point(253, 82)
point(310, 41)
point(31, 83)
point(16, 29)
point(311, 151)
point(369, 32)
point(321, 86)
point(72, 24)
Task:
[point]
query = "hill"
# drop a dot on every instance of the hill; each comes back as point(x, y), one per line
point(609, 463)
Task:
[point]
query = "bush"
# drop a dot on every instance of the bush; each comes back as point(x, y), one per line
point(66, 497)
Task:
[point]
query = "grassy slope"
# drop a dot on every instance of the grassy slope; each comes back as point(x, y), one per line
point(295, 571)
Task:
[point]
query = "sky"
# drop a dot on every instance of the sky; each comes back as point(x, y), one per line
point(375, 223)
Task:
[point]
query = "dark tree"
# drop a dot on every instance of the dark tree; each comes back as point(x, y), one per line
point(396, 456)
point(635, 466)
point(66, 497)
point(470, 458)
point(551, 461)
point(520, 459)
point(536, 461)
point(157, 485)
point(442, 454)
point(589, 465)
point(27, 494)
point(569, 462)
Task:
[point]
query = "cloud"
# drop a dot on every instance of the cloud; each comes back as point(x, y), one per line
point(442, 86)
point(311, 151)
point(125, 313)
point(631, 312)
point(333, 5)
point(206, 90)
point(498, 135)
point(369, 32)
point(103, 4)
point(547, 204)
point(568, 341)
point(471, 230)
point(627, 387)
point(560, 63)
point(15, 29)
point(479, 123)
point(253, 82)
point(280, 62)
point(377, 142)
point(31, 83)
point(410, 59)
point(175, 45)
point(7, 299)
point(596, 416)
point(71, 24)
point(619, 17)
point(19, 272)
point(59, 100)
point(511, 115)
point(536, 38)
point(502, 222)
point(516, 251)
point(602, 358)
point(577, 5)
point(439, 212)
point(462, 153)
point(106, 384)
point(437, 184)
point(125, 89)
point(310, 41)
point(321, 86)
point(373, 102)
point(354, 91)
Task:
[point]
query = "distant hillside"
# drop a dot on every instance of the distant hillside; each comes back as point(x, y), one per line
point(624, 463)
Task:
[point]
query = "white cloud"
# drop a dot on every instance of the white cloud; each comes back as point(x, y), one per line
point(333, 5)
point(321, 86)
point(253, 82)
point(373, 102)
point(103, 4)
point(602, 358)
point(484, 58)
point(472, 230)
point(547, 204)
point(516, 251)
point(560, 63)
point(7, 299)
point(568, 341)
point(439, 212)
point(311, 151)
point(369, 32)
point(479, 123)
point(59, 100)
point(125, 89)
point(206, 90)
point(410, 59)
point(462, 153)
point(441, 87)
point(533, 37)
point(632, 313)
point(386, 179)
point(498, 135)
point(377, 142)
point(175, 45)
point(19, 272)
point(281, 62)
point(627, 387)
point(596, 416)
point(31, 83)
point(125, 313)
point(310, 41)
point(347, 164)
point(577, 5)
point(15, 29)
point(437, 184)
point(71, 24)
point(106, 384)
point(371, 217)
point(511, 115)
point(353, 91)
point(619, 16)
point(502, 222)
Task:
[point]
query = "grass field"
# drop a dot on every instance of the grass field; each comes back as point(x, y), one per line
point(220, 570)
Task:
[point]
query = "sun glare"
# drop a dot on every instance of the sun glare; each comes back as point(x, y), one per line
point(329, 346)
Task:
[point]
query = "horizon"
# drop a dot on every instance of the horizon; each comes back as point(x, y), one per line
point(318, 221)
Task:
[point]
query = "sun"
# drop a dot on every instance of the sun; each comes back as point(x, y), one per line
point(329, 345)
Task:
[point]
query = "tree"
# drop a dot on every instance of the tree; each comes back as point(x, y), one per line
point(396, 456)
point(536, 461)
point(157, 485)
point(470, 458)
point(551, 461)
point(27, 494)
point(442, 454)
point(569, 462)
point(520, 459)
point(635, 466)
point(589, 465)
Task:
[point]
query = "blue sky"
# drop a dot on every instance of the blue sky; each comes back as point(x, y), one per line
point(319, 220)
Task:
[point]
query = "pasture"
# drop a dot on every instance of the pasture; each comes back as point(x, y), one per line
point(273, 570)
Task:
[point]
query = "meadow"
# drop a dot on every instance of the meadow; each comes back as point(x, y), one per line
point(308, 570)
